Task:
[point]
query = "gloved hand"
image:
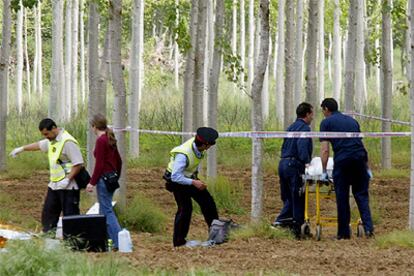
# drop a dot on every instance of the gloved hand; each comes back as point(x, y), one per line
point(324, 177)
point(16, 151)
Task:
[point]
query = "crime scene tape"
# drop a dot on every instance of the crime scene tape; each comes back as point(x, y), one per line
point(378, 118)
point(277, 134)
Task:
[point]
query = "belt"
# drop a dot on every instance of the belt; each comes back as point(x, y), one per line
point(291, 158)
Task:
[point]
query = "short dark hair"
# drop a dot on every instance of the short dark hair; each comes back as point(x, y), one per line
point(303, 109)
point(330, 104)
point(47, 123)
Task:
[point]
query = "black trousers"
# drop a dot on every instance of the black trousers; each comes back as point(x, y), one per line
point(57, 201)
point(183, 195)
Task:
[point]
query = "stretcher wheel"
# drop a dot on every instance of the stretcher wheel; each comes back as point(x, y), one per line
point(305, 230)
point(318, 232)
point(360, 230)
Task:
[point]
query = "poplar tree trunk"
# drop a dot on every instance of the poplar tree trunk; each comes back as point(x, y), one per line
point(4, 71)
point(408, 41)
point(257, 121)
point(411, 208)
point(176, 50)
point(351, 52)
point(289, 108)
point(337, 63)
point(189, 72)
point(321, 52)
point(298, 54)
point(82, 53)
point(242, 41)
point(68, 61)
point(360, 70)
point(19, 52)
point(135, 77)
point(265, 92)
point(26, 57)
point(213, 85)
point(280, 80)
point(118, 84)
point(74, 52)
point(234, 29)
point(251, 45)
point(386, 68)
point(57, 82)
point(39, 49)
point(311, 54)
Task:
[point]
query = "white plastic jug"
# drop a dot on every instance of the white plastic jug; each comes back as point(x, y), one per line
point(124, 240)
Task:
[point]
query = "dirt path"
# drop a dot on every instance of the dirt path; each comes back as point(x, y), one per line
point(327, 257)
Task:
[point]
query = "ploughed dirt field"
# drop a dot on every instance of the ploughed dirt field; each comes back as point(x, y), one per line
point(254, 255)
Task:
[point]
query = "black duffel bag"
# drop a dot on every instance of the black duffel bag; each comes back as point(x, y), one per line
point(82, 178)
point(111, 181)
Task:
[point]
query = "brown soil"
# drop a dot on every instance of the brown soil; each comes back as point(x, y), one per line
point(255, 255)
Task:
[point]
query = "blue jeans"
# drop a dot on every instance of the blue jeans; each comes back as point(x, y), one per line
point(105, 208)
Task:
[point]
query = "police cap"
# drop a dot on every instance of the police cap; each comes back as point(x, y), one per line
point(207, 135)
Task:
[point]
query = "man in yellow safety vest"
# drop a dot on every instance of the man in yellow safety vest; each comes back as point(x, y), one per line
point(65, 162)
point(182, 181)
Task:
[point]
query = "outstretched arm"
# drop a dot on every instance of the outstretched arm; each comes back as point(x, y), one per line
point(29, 147)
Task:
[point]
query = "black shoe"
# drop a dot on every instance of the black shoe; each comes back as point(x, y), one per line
point(343, 237)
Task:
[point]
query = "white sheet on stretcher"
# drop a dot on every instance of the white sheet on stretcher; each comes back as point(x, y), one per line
point(314, 170)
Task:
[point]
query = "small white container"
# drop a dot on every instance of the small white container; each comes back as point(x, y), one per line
point(124, 240)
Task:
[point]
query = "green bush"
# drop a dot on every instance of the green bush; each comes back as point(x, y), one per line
point(404, 238)
point(141, 214)
point(31, 258)
point(227, 195)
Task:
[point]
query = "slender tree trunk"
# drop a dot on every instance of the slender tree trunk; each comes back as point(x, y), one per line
point(289, 108)
point(176, 50)
point(118, 84)
point(351, 52)
point(257, 38)
point(135, 76)
point(26, 57)
point(36, 57)
point(57, 82)
point(329, 57)
point(93, 74)
point(251, 44)
point(82, 53)
point(265, 92)
point(19, 52)
point(337, 63)
point(386, 68)
point(280, 80)
point(257, 121)
point(377, 67)
point(39, 50)
point(275, 49)
point(360, 72)
point(213, 85)
point(411, 208)
point(189, 72)
point(242, 41)
point(234, 29)
point(4, 71)
point(199, 57)
point(207, 57)
point(68, 60)
point(75, 52)
point(321, 52)
point(298, 54)
point(104, 71)
point(311, 54)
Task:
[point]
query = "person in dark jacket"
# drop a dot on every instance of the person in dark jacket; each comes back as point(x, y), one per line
point(107, 161)
point(296, 152)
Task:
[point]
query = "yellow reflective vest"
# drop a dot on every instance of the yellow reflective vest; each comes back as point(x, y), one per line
point(192, 160)
point(59, 170)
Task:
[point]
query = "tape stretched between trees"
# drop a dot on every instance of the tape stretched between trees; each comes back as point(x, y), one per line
point(378, 118)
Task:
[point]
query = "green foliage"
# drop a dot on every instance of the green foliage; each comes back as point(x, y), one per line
point(227, 194)
point(31, 258)
point(141, 214)
point(260, 230)
point(400, 238)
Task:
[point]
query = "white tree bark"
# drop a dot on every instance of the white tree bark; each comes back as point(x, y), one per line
point(36, 57)
point(321, 52)
point(176, 50)
point(329, 57)
point(257, 121)
point(411, 208)
point(360, 70)
point(57, 82)
point(135, 77)
point(251, 44)
point(75, 52)
point(351, 52)
point(265, 92)
point(118, 84)
point(26, 57)
point(39, 49)
point(377, 67)
point(408, 41)
point(311, 54)
point(234, 28)
point(280, 81)
point(19, 52)
point(207, 57)
point(82, 53)
point(298, 54)
point(275, 49)
point(336, 48)
point(213, 86)
point(386, 68)
point(257, 40)
point(67, 107)
point(4, 71)
point(242, 41)
point(289, 107)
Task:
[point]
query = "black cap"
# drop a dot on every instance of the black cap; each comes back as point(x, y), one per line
point(207, 135)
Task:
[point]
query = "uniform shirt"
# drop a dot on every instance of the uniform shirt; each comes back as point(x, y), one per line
point(107, 159)
point(180, 163)
point(70, 152)
point(298, 148)
point(343, 148)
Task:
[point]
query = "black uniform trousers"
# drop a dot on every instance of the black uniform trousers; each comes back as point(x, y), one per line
point(57, 201)
point(183, 195)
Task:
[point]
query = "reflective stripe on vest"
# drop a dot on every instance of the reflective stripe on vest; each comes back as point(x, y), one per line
point(59, 171)
point(192, 159)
